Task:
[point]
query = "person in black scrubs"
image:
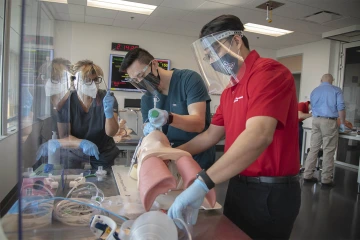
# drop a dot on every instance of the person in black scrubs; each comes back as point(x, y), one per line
point(181, 96)
point(89, 120)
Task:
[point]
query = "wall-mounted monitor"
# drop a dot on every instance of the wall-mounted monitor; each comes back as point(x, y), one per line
point(117, 79)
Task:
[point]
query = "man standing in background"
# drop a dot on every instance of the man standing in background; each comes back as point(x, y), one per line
point(303, 113)
point(327, 105)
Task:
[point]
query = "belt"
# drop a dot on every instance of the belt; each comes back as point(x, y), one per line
point(287, 179)
point(331, 118)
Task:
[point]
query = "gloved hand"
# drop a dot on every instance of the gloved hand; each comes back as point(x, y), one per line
point(26, 102)
point(158, 117)
point(148, 128)
point(342, 127)
point(89, 148)
point(50, 146)
point(108, 103)
point(192, 197)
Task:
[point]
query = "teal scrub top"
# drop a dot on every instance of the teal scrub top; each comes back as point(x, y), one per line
point(186, 87)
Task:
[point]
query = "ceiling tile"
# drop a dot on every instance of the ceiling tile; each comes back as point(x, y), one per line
point(259, 17)
point(69, 17)
point(198, 17)
point(126, 16)
point(183, 4)
point(232, 2)
point(76, 9)
point(184, 28)
point(344, 22)
point(60, 7)
point(153, 28)
point(212, 8)
point(158, 21)
point(295, 11)
point(169, 13)
point(78, 2)
point(98, 20)
point(126, 24)
point(343, 7)
point(100, 12)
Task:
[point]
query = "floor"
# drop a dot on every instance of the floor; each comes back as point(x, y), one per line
point(329, 214)
point(324, 213)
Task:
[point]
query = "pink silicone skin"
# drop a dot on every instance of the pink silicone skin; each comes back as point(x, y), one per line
point(155, 179)
point(188, 168)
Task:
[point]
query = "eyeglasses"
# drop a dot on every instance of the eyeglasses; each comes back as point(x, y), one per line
point(89, 81)
point(140, 76)
point(214, 52)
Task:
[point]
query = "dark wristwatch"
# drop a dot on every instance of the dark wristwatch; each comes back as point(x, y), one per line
point(170, 118)
point(207, 180)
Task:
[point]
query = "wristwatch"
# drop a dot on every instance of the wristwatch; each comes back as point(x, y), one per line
point(207, 180)
point(170, 118)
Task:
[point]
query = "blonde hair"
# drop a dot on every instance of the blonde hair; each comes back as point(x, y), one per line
point(86, 68)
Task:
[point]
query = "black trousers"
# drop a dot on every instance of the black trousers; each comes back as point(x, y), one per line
point(261, 210)
point(301, 133)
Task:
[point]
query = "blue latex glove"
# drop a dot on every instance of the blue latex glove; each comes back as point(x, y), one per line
point(26, 102)
point(342, 128)
point(108, 103)
point(50, 146)
point(158, 117)
point(192, 197)
point(148, 128)
point(89, 148)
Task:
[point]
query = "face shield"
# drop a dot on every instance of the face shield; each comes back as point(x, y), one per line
point(146, 81)
point(219, 60)
point(57, 85)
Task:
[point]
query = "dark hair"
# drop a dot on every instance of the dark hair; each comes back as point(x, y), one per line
point(139, 54)
point(224, 23)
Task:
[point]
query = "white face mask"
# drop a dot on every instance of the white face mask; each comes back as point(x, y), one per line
point(54, 88)
point(89, 90)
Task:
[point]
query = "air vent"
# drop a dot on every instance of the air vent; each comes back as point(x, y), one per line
point(347, 34)
point(272, 4)
point(323, 17)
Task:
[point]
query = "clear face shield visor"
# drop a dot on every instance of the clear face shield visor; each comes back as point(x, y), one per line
point(219, 60)
point(146, 81)
point(57, 87)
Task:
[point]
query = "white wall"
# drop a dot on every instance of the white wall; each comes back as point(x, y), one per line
point(318, 58)
point(77, 41)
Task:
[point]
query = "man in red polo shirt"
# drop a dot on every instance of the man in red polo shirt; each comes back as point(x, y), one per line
point(303, 113)
point(258, 115)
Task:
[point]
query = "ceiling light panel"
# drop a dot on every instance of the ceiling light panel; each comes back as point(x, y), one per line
point(265, 30)
point(124, 6)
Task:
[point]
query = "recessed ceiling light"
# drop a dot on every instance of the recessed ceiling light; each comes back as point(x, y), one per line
point(261, 29)
point(55, 1)
point(124, 6)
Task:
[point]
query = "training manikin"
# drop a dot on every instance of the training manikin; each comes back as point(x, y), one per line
point(154, 176)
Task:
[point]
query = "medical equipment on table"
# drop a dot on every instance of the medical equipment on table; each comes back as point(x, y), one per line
point(99, 225)
point(100, 173)
point(76, 213)
point(152, 225)
point(87, 190)
point(134, 158)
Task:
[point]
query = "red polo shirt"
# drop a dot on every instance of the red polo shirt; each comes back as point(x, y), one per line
point(303, 107)
point(267, 88)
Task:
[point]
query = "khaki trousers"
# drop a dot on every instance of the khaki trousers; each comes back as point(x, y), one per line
point(324, 132)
